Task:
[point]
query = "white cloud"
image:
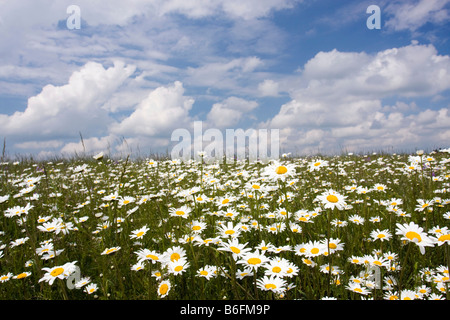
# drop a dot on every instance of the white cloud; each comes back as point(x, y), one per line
point(164, 109)
point(268, 88)
point(71, 108)
point(340, 102)
point(413, 15)
point(228, 113)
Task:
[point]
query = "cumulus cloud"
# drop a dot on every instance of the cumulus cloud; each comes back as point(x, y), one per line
point(412, 15)
point(228, 113)
point(341, 101)
point(70, 108)
point(164, 109)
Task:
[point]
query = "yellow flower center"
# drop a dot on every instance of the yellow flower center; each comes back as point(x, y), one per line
point(281, 170)
point(229, 232)
point(270, 286)
point(316, 164)
point(358, 290)
point(254, 261)
point(196, 228)
point(381, 236)
point(140, 234)
point(204, 273)
point(332, 198)
point(151, 256)
point(56, 272)
point(178, 268)
point(179, 213)
point(235, 250)
point(22, 275)
point(276, 269)
point(314, 250)
point(174, 257)
point(225, 201)
point(333, 246)
point(163, 289)
point(411, 235)
point(445, 237)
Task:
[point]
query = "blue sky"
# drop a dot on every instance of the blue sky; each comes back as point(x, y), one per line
point(137, 70)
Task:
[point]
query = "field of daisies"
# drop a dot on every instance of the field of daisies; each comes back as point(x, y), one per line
point(347, 227)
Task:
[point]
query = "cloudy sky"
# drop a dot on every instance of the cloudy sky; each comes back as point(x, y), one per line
point(137, 70)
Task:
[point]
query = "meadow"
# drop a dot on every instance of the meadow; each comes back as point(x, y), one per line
point(346, 227)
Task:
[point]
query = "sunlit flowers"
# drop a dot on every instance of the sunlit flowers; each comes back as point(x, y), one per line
point(139, 233)
point(58, 272)
point(332, 199)
point(414, 233)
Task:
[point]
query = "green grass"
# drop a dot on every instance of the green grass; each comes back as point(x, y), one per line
point(72, 189)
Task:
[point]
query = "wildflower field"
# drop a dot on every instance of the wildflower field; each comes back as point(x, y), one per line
point(346, 227)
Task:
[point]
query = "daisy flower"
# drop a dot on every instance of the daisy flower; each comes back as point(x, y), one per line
point(58, 272)
point(356, 219)
point(183, 212)
point(254, 259)
point(110, 250)
point(139, 233)
point(314, 249)
point(272, 283)
point(356, 287)
point(177, 267)
point(91, 288)
point(138, 266)
point(229, 230)
point(279, 171)
point(82, 282)
point(164, 288)
point(173, 254)
point(22, 275)
point(317, 164)
point(414, 233)
point(207, 272)
point(332, 199)
point(382, 235)
point(237, 249)
point(423, 204)
point(6, 277)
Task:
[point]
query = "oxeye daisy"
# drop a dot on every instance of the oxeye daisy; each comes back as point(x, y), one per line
point(22, 275)
point(314, 249)
point(424, 204)
point(146, 254)
point(332, 199)
point(139, 233)
point(237, 249)
point(138, 266)
point(254, 259)
point(272, 283)
point(182, 212)
point(317, 164)
point(356, 219)
point(173, 254)
point(164, 288)
point(82, 282)
point(414, 233)
point(279, 171)
point(382, 235)
point(58, 272)
point(178, 266)
point(6, 277)
point(206, 272)
point(358, 288)
point(91, 288)
point(110, 250)
point(229, 230)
